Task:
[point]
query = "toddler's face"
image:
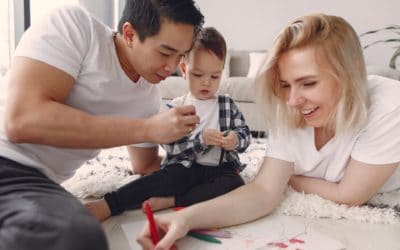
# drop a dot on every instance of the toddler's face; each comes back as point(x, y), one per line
point(203, 73)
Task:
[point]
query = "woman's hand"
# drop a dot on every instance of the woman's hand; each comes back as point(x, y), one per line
point(170, 227)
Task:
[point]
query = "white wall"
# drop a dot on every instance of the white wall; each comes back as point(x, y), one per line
point(253, 24)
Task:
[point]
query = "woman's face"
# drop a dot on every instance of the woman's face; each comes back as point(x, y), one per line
point(308, 86)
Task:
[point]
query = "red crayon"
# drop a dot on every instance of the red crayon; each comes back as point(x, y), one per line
point(152, 224)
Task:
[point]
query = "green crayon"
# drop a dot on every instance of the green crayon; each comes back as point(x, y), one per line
point(210, 147)
point(204, 237)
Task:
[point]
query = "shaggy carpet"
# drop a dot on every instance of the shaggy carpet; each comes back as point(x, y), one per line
point(111, 169)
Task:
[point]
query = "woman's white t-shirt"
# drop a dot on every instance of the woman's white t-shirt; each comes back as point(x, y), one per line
point(73, 41)
point(377, 143)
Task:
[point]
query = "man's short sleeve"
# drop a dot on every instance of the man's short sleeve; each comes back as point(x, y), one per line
point(61, 39)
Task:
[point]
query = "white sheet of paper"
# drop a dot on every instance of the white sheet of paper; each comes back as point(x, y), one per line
point(132, 230)
point(271, 232)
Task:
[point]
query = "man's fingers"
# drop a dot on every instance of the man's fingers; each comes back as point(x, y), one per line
point(190, 120)
point(186, 109)
point(187, 117)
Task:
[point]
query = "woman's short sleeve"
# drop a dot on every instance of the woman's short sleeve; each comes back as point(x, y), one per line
point(277, 147)
point(379, 142)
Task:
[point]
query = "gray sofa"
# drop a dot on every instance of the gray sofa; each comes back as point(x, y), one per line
point(237, 85)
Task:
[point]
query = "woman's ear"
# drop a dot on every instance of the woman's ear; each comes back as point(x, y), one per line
point(182, 67)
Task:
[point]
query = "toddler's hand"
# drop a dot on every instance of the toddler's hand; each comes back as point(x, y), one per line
point(229, 141)
point(212, 137)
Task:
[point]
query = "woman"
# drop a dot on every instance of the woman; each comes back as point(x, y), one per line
point(333, 131)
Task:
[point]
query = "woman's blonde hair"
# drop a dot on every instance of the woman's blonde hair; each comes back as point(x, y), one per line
point(337, 43)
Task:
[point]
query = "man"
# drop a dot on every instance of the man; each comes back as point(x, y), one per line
point(75, 87)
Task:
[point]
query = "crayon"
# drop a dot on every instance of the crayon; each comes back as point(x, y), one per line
point(153, 230)
point(217, 233)
point(210, 147)
point(204, 237)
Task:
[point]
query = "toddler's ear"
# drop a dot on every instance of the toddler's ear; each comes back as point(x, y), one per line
point(182, 67)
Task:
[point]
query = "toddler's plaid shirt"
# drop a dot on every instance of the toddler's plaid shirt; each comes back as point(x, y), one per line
point(184, 150)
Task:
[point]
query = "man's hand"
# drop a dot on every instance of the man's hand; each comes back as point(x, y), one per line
point(171, 125)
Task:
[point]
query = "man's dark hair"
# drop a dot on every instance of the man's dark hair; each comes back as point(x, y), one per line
point(210, 39)
point(146, 16)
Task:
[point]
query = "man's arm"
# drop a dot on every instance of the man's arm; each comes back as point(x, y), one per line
point(36, 113)
point(360, 182)
point(144, 160)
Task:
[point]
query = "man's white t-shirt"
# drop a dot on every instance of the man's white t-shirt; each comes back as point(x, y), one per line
point(73, 41)
point(377, 143)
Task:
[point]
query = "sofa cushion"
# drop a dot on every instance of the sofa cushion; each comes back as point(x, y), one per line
point(240, 88)
point(239, 63)
point(256, 60)
point(173, 86)
point(383, 71)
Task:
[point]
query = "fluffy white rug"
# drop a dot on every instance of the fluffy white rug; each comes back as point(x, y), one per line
point(111, 169)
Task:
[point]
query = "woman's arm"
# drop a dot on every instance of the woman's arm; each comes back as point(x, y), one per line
point(243, 204)
point(359, 183)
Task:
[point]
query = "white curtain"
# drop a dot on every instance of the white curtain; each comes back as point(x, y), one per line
point(5, 37)
point(12, 23)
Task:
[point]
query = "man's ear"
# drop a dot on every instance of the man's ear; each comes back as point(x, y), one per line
point(182, 67)
point(129, 34)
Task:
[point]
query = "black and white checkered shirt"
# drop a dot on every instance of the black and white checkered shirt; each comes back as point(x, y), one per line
point(184, 150)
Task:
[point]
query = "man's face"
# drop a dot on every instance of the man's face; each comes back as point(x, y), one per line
point(158, 56)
